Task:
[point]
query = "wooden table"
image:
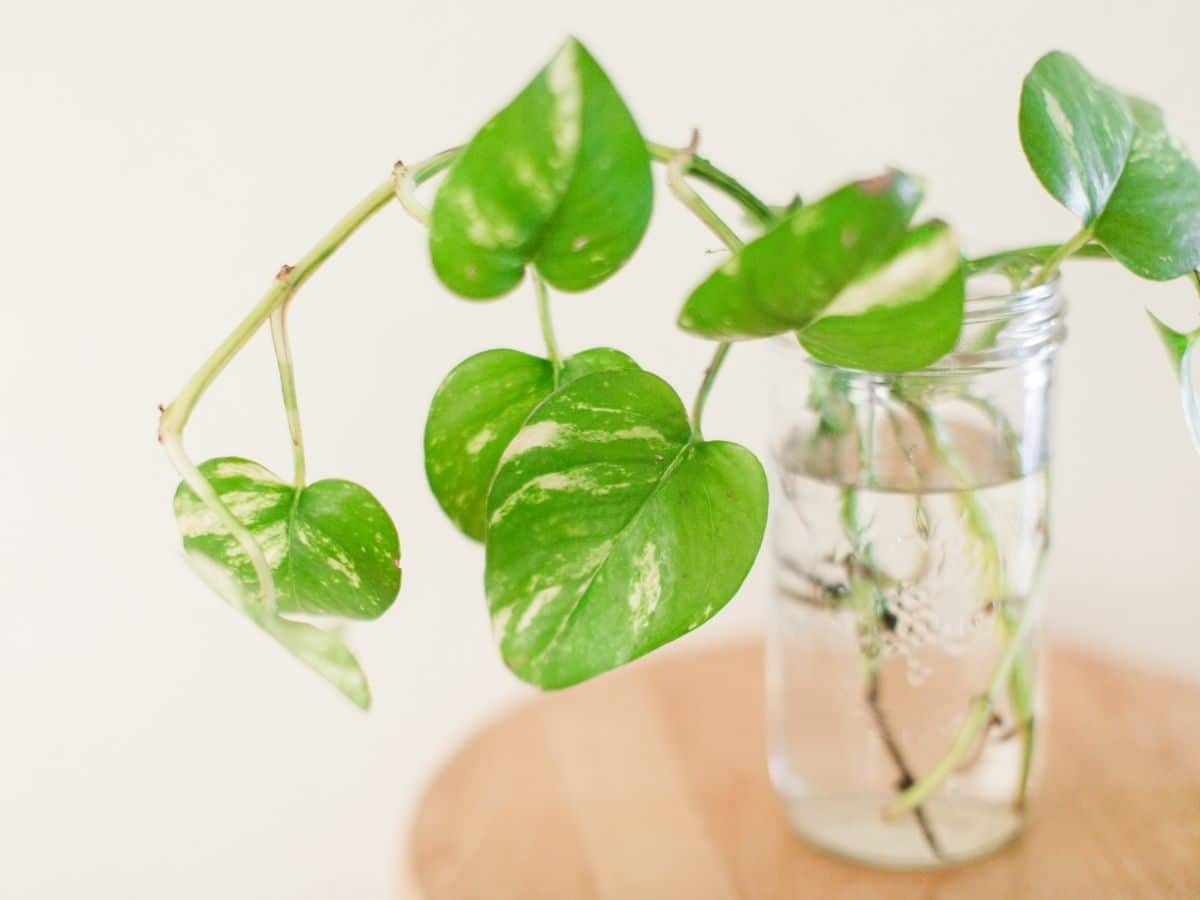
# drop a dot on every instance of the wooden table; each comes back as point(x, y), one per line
point(650, 783)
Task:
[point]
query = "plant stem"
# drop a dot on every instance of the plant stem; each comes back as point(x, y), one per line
point(406, 179)
point(680, 163)
point(287, 383)
point(710, 375)
point(543, 307)
point(1036, 253)
point(870, 606)
point(172, 442)
point(1014, 662)
point(705, 171)
point(175, 417)
point(1057, 257)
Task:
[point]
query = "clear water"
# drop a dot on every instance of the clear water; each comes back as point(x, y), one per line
point(940, 567)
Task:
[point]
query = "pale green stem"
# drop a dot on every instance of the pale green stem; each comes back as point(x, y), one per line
point(194, 479)
point(175, 417)
point(1059, 256)
point(705, 171)
point(678, 166)
point(547, 324)
point(710, 376)
point(406, 179)
point(1036, 253)
point(287, 383)
point(1020, 685)
point(1013, 662)
point(870, 606)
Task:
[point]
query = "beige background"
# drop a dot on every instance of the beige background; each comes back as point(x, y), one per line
point(161, 160)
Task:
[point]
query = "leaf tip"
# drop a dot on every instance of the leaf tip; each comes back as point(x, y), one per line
point(1175, 342)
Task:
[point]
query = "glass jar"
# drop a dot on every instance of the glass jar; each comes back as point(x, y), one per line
point(910, 533)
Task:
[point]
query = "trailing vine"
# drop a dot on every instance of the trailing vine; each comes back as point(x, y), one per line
point(611, 525)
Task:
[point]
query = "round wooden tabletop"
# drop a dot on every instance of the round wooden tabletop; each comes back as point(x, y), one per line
point(650, 783)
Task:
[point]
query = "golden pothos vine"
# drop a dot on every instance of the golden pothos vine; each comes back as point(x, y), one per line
point(611, 524)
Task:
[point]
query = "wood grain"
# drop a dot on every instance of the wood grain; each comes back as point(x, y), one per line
point(651, 783)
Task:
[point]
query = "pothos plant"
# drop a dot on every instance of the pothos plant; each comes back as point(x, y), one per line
point(610, 523)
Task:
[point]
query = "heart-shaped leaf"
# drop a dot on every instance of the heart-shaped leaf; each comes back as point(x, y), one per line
point(903, 315)
point(611, 530)
point(478, 409)
point(1110, 159)
point(560, 178)
point(332, 548)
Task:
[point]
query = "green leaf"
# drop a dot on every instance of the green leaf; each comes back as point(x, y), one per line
point(861, 288)
point(1181, 348)
point(478, 409)
point(782, 280)
point(1152, 222)
point(323, 651)
point(904, 315)
point(611, 530)
point(1110, 159)
point(332, 548)
point(1076, 131)
point(1175, 342)
point(560, 178)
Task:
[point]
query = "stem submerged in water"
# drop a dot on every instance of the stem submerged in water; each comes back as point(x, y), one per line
point(1013, 666)
point(866, 596)
point(978, 716)
point(869, 605)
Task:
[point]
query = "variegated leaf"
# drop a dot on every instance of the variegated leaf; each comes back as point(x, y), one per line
point(1152, 222)
point(559, 179)
point(1110, 159)
point(847, 274)
point(612, 530)
point(902, 315)
point(782, 281)
point(478, 409)
point(1076, 132)
point(332, 548)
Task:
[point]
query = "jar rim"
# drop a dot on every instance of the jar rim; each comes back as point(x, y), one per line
point(995, 305)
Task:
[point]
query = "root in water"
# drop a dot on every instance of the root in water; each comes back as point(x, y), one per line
point(893, 749)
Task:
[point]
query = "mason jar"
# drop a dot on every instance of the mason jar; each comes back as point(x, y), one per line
point(910, 533)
